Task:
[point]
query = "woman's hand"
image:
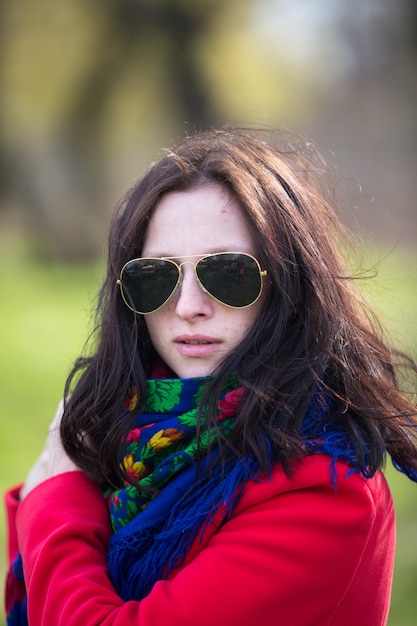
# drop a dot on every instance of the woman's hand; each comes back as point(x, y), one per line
point(53, 459)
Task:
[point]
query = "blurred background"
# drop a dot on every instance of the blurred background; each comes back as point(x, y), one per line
point(90, 90)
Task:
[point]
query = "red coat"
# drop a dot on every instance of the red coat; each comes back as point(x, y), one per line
point(294, 553)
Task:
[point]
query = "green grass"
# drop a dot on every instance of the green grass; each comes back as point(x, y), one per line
point(44, 315)
point(394, 295)
point(44, 320)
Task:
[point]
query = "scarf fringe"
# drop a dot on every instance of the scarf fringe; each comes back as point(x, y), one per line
point(174, 525)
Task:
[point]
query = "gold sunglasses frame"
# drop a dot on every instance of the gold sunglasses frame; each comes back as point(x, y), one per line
point(262, 274)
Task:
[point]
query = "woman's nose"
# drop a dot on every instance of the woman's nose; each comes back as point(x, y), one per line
point(191, 300)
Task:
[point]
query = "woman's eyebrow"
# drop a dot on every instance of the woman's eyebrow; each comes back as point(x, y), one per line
point(222, 250)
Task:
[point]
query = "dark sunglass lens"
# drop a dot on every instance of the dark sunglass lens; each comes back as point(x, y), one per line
point(148, 283)
point(234, 279)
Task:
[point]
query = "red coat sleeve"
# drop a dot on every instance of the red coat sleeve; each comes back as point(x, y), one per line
point(12, 504)
point(294, 553)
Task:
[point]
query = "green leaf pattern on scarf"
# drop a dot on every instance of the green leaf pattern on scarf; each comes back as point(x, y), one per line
point(166, 394)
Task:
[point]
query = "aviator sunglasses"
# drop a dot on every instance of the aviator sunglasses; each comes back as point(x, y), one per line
point(232, 278)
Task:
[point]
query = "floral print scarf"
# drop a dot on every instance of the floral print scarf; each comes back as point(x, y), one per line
point(164, 440)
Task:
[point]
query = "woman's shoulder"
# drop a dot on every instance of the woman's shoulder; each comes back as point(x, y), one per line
point(326, 527)
point(318, 475)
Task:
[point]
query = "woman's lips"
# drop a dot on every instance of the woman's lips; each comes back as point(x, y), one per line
point(196, 345)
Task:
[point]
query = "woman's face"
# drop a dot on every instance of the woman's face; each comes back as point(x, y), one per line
point(192, 332)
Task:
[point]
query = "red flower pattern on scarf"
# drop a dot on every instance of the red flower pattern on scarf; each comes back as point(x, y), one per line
point(230, 402)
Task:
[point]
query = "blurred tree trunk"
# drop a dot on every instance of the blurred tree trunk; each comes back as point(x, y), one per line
point(6, 169)
point(65, 178)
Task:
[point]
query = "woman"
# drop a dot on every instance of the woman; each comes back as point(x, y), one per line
point(235, 422)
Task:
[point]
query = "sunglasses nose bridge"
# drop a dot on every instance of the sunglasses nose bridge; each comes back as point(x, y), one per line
point(180, 271)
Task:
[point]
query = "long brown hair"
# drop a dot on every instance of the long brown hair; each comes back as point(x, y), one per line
point(312, 331)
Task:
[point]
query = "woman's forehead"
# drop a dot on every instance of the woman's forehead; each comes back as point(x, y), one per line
point(202, 220)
